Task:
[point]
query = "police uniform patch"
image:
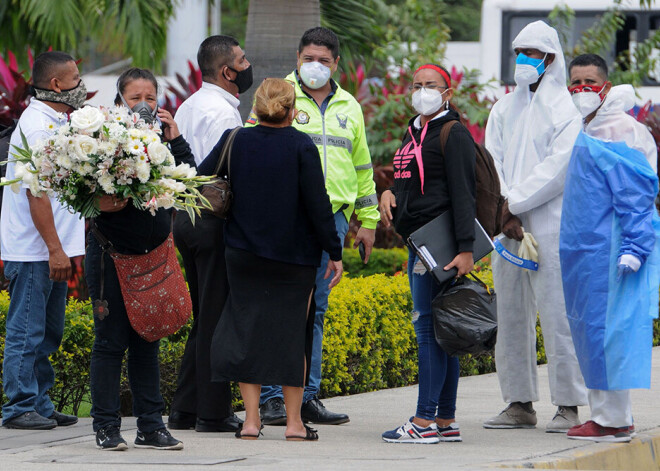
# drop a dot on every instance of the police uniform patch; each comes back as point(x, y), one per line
point(342, 119)
point(302, 117)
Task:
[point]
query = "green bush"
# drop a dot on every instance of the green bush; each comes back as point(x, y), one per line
point(387, 261)
point(369, 342)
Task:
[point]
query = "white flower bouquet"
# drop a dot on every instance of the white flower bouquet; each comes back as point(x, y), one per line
point(106, 151)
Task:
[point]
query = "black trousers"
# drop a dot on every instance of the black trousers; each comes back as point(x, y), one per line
point(203, 250)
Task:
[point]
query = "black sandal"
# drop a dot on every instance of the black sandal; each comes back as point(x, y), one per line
point(238, 433)
point(310, 435)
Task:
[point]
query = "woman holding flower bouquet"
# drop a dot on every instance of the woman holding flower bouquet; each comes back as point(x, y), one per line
point(132, 230)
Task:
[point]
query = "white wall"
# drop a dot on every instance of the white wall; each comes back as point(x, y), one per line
point(188, 28)
point(463, 54)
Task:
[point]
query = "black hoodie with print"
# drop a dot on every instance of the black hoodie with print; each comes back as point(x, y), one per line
point(449, 180)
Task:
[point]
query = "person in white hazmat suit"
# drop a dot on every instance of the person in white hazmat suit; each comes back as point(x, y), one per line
point(530, 134)
point(608, 244)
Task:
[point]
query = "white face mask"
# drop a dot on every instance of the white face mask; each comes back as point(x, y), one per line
point(586, 102)
point(426, 102)
point(314, 74)
point(528, 73)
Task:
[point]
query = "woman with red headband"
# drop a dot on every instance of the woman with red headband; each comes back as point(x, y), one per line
point(428, 182)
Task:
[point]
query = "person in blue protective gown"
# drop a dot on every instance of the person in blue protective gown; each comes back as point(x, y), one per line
point(610, 259)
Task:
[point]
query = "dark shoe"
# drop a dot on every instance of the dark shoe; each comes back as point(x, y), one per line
point(159, 440)
point(181, 420)
point(273, 412)
point(31, 421)
point(314, 411)
point(244, 436)
point(310, 436)
point(63, 420)
point(228, 424)
point(109, 439)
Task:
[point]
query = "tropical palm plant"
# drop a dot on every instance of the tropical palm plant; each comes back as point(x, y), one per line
point(135, 28)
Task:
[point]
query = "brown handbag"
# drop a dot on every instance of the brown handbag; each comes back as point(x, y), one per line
point(155, 294)
point(218, 192)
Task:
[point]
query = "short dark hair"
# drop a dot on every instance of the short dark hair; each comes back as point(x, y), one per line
point(214, 53)
point(320, 36)
point(45, 67)
point(131, 74)
point(584, 60)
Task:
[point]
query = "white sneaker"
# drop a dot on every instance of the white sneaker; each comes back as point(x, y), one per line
point(564, 419)
point(451, 433)
point(411, 433)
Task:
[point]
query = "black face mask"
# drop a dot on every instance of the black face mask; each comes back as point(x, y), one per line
point(243, 79)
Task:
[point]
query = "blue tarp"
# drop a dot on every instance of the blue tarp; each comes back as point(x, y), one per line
point(609, 210)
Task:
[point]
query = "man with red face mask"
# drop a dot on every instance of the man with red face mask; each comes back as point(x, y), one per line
point(608, 251)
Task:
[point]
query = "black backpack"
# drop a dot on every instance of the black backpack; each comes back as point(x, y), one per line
point(489, 196)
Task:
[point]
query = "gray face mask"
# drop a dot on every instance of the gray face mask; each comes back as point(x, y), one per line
point(143, 109)
point(74, 97)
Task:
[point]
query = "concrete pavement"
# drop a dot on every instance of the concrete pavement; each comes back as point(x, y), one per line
point(358, 445)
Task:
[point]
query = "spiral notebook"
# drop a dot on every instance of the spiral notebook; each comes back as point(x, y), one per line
point(436, 246)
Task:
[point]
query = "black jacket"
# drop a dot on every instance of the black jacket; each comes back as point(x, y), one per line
point(135, 231)
point(281, 210)
point(449, 181)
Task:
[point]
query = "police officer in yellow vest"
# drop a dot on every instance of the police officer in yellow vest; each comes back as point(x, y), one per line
point(334, 121)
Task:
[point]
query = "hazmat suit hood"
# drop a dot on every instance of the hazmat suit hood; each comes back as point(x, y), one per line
point(531, 134)
point(612, 123)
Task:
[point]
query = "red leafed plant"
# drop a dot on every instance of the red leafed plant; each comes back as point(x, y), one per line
point(14, 88)
point(187, 86)
point(649, 115)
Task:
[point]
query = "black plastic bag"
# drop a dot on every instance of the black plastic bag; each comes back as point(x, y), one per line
point(465, 317)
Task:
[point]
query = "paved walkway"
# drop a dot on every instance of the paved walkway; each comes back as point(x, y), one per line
point(357, 445)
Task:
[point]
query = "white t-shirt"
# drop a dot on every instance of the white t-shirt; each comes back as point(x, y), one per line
point(19, 239)
point(205, 116)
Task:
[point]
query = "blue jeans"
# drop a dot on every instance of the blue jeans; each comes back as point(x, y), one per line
point(35, 325)
point(321, 300)
point(114, 336)
point(438, 372)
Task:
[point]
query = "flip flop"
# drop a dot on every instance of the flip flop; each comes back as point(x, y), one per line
point(310, 436)
point(242, 436)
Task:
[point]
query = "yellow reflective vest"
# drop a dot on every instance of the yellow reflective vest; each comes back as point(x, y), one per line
point(339, 135)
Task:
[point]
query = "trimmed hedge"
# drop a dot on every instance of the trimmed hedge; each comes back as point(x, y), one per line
point(386, 261)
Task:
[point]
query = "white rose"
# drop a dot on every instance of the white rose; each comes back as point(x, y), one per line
point(158, 152)
point(83, 147)
point(87, 119)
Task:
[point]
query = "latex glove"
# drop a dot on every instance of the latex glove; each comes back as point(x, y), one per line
point(627, 264)
point(528, 247)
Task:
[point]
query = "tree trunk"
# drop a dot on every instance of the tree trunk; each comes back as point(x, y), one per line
point(274, 29)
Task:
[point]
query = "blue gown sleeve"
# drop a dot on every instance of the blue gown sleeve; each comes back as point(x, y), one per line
point(634, 186)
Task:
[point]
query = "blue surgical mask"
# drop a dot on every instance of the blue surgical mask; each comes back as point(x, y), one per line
point(528, 69)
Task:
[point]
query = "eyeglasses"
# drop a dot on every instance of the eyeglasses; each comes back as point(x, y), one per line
point(417, 87)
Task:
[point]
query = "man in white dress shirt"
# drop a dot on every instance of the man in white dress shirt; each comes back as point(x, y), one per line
point(202, 119)
point(39, 236)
